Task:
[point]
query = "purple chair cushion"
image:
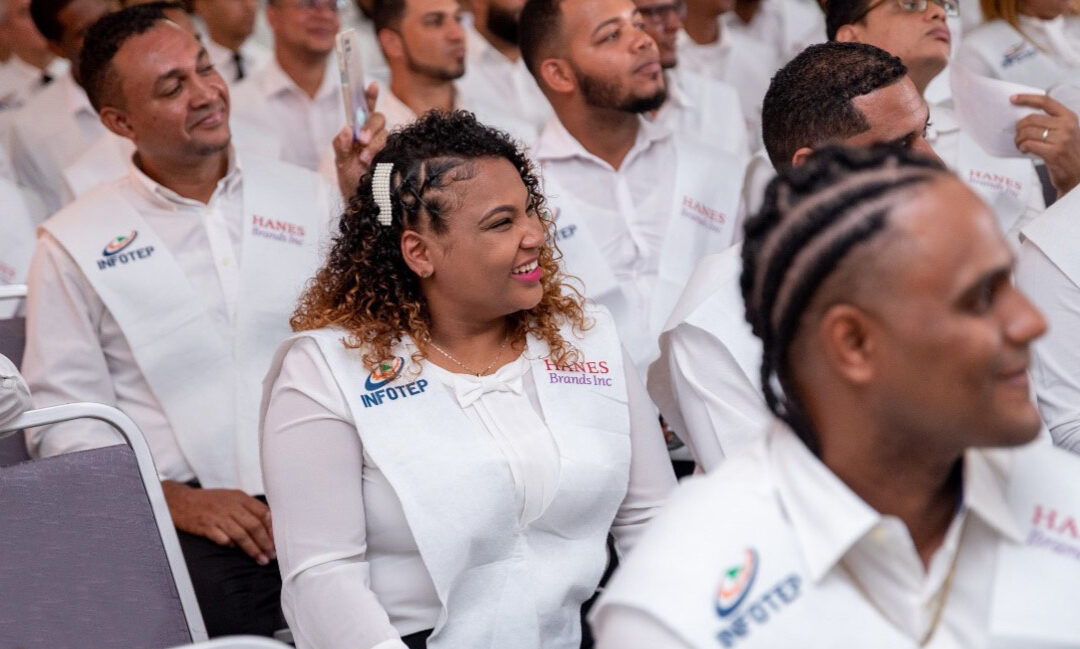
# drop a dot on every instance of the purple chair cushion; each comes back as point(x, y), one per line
point(81, 559)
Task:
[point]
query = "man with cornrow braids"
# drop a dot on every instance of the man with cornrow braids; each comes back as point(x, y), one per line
point(898, 498)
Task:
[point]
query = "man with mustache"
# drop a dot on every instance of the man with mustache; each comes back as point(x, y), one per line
point(635, 204)
point(164, 293)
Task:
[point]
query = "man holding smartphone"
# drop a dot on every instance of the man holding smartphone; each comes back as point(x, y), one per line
point(165, 293)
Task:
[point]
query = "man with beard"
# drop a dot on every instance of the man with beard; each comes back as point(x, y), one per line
point(165, 293)
point(424, 45)
point(697, 105)
point(297, 95)
point(496, 75)
point(635, 205)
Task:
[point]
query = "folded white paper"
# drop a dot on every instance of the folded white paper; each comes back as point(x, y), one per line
point(984, 111)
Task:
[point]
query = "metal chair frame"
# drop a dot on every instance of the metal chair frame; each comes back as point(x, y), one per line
point(134, 437)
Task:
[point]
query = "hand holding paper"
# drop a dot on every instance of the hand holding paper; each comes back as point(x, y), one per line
point(1054, 136)
point(984, 109)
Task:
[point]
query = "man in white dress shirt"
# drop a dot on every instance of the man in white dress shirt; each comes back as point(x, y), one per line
point(922, 40)
point(58, 124)
point(698, 105)
point(706, 381)
point(636, 204)
point(899, 499)
point(424, 45)
point(1047, 270)
point(228, 27)
point(164, 294)
point(706, 48)
point(31, 66)
point(787, 26)
point(297, 95)
point(495, 74)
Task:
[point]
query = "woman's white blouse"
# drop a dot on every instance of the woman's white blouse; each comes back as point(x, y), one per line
point(333, 508)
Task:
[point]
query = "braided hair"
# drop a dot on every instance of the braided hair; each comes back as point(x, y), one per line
point(813, 216)
point(365, 286)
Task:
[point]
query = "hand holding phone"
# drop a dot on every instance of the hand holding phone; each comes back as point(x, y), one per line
point(351, 67)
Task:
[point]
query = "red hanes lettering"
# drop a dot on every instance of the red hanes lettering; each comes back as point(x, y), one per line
point(582, 367)
point(277, 226)
point(1049, 520)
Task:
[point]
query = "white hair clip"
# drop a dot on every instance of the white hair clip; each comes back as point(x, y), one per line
point(380, 189)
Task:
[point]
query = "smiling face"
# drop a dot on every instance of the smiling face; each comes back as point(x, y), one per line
point(175, 106)
point(952, 337)
point(433, 38)
point(485, 260)
point(616, 63)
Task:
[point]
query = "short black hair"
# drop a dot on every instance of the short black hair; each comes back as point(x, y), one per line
point(812, 218)
point(538, 27)
point(104, 40)
point(45, 14)
point(809, 99)
point(843, 12)
point(387, 14)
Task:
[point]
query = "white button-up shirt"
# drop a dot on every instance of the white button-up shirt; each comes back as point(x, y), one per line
point(55, 127)
point(739, 61)
point(705, 109)
point(252, 56)
point(19, 81)
point(500, 85)
point(398, 114)
point(840, 544)
point(630, 206)
point(270, 99)
point(75, 349)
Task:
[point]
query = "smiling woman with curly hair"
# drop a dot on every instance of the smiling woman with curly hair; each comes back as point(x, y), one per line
point(454, 431)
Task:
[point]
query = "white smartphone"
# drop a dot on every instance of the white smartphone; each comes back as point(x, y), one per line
point(351, 67)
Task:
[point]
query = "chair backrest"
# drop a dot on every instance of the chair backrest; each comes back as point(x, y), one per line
point(88, 553)
point(237, 642)
point(12, 343)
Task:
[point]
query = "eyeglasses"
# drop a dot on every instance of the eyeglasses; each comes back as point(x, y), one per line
point(312, 5)
point(661, 14)
point(951, 7)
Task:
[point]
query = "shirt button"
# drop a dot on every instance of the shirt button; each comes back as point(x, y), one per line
point(224, 261)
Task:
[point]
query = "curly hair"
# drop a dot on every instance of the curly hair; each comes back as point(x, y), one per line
point(813, 216)
point(365, 286)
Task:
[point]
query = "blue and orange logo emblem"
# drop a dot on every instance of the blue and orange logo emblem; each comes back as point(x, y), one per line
point(735, 583)
point(386, 372)
point(119, 243)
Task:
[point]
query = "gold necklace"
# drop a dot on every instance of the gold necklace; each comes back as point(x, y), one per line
point(946, 588)
point(465, 367)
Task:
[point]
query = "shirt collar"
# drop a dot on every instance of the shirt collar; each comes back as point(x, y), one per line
point(165, 198)
point(942, 120)
point(829, 518)
point(556, 143)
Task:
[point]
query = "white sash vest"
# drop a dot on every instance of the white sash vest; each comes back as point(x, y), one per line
point(1012, 57)
point(739, 579)
point(1057, 234)
point(705, 219)
point(501, 583)
point(207, 381)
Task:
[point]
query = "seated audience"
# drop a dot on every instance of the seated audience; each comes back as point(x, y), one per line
point(897, 499)
point(31, 66)
point(164, 294)
point(228, 25)
point(477, 421)
point(636, 205)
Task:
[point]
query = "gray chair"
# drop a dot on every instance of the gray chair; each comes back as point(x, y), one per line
point(12, 342)
point(88, 553)
point(237, 642)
